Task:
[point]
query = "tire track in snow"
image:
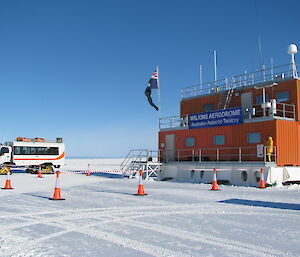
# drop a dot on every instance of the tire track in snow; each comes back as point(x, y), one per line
point(116, 214)
point(129, 216)
point(77, 213)
point(207, 239)
point(101, 212)
point(103, 235)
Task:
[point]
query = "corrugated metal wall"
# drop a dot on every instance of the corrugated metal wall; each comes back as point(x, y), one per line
point(235, 135)
point(287, 141)
point(297, 99)
point(195, 105)
point(285, 136)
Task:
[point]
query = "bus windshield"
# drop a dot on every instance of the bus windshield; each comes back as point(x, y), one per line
point(4, 150)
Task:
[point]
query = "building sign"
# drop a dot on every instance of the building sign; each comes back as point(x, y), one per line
point(226, 117)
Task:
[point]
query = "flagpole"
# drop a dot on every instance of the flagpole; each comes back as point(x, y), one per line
point(158, 96)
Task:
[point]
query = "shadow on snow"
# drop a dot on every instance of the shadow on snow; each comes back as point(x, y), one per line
point(275, 205)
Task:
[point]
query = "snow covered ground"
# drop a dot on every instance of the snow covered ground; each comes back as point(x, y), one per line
point(102, 217)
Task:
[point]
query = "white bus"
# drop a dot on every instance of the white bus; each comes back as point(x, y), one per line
point(32, 153)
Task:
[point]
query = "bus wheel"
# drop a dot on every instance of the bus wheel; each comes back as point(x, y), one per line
point(47, 169)
point(3, 170)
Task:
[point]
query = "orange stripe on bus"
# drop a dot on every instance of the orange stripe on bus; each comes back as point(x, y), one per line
point(36, 159)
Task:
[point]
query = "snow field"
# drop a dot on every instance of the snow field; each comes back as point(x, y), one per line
point(101, 217)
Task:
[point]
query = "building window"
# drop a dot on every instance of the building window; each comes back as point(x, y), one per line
point(259, 99)
point(208, 107)
point(282, 96)
point(219, 140)
point(189, 141)
point(253, 138)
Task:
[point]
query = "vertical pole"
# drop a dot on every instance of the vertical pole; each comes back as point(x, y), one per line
point(233, 82)
point(264, 101)
point(215, 65)
point(158, 94)
point(294, 112)
point(201, 79)
point(294, 73)
point(200, 154)
point(158, 98)
point(272, 70)
point(147, 171)
point(147, 155)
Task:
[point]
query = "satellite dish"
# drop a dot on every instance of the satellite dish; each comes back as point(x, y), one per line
point(292, 49)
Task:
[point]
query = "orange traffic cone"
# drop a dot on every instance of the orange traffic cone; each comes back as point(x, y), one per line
point(215, 182)
point(56, 195)
point(262, 183)
point(40, 173)
point(7, 183)
point(88, 171)
point(141, 186)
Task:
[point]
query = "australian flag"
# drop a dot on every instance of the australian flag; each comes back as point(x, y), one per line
point(153, 81)
point(152, 84)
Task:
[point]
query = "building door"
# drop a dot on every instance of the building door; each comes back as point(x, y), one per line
point(247, 103)
point(170, 147)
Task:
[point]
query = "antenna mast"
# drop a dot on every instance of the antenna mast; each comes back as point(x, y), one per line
point(215, 65)
point(201, 81)
point(259, 38)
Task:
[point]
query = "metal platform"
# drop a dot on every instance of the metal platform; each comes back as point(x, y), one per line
point(141, 159)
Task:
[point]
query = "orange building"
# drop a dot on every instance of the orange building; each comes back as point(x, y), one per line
point(225, 123)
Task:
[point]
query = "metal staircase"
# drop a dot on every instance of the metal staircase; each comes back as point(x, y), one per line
point(141, 159)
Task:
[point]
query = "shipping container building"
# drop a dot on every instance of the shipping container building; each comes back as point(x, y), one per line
point(225, 124)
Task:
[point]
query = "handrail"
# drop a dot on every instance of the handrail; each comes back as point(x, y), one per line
point(227, 154)
point(125, 160)
point(277, 73)
point(138, 156)
point(129, 157)
point(173, 122)
point(283, 110)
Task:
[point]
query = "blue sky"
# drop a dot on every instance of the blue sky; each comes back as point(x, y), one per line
point(78, 69)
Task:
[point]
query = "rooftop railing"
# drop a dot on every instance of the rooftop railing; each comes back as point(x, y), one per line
point(280, 111)
point(173, 122)
point(274, 74)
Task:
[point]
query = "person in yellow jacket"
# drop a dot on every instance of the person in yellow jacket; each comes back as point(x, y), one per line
point(269, 147)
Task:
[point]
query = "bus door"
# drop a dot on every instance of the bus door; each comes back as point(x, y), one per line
point(5, 154)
